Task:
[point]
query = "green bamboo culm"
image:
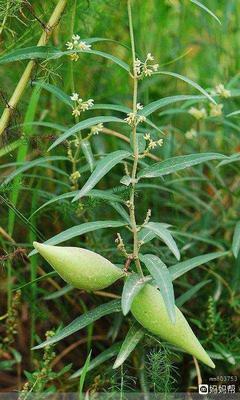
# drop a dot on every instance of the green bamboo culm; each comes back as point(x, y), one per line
point(150, 311)
point(81, 268)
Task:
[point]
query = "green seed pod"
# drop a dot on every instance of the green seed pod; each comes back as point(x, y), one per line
point(150, 311)
point(81, 268)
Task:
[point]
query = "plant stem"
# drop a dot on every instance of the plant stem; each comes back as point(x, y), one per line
point(12, 103)
point(135, 150)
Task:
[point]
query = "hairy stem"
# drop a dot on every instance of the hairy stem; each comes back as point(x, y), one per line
point(12, 103)
point(135, 151)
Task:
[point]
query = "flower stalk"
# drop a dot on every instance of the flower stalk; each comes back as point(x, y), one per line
point(135, 150)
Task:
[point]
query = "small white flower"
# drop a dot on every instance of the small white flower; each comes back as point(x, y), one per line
point(198, 113)
point(160, 142)
point(84, 46)
point(141, 118)
point(216, 110)
point(74, 97)
point(152, 144)
point(96, 129)
point(90, 102)
point(155, 67)
point(225, 93)
point(76, 112)
point(150, 57)
point(192, 133)
point(69, 45)
point(139, 106)
point(76, 37)
point(147, 136)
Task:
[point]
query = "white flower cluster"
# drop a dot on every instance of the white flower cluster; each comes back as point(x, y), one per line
point(198, 113)
point(146, 68)
point(96, 129)
point(77, 44)
point(152, 144)
point(216, 110)
point(80, 105)
point(221, 91)
point(133, 119)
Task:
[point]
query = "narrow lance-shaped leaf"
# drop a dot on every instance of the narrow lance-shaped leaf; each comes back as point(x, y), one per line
point(102, 168)
point(206, 9)
point(236, 240)
point(134, 335)
point(132, 286)
point(94, 193)
point(181, 268)
point(100, 359)
point(83, 321)
point(30, 164)
point(189, 81)
point(190, 293)
point(162, 277)
point(80, 230)
point(87, 123)
point(155, 105)
point(87, 151)
point(178, 163)
point(145, 235)
point(162, 232)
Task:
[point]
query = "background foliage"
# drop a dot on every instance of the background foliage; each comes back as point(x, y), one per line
point(201, 204)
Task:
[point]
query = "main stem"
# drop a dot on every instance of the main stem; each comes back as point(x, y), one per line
point(135, 150)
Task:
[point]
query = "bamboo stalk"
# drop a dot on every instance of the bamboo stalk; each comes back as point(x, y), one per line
point(12, 103)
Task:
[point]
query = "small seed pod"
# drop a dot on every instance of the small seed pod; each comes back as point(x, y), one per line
point(81, 268)
point(150, 311)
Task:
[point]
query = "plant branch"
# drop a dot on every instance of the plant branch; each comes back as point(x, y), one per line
point(12, 103)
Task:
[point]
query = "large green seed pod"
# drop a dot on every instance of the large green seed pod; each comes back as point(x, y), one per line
point(81, 268)
point(150, 311)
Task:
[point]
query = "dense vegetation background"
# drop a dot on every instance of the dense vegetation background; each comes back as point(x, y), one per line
point(201, 203)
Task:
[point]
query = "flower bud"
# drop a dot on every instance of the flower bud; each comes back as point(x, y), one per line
point(150, 311)
point(80, 268)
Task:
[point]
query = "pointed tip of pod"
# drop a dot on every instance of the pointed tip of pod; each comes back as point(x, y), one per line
point(209, 362)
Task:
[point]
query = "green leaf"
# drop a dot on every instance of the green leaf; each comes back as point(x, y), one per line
point(236, 240)
point(190, 293)
point(232, 114)
point(181, 268)
point(102, 168)
point(155, 105)
point(87, 151)
point(162, 232)
point(30, 53)
point(121, 211)
point(132, 286)
point(80, 230)
point(189, 81)
point(163, 279)
point(30, 164)
point(81, 322)
point(35, 52)
point(134, 335)
point(87, 123)
point(100, 359)
point(94, 193)
point(85, 369)
point(145, 235)
point(206, 9)
point(175, 164)
point(56, 91)
point(59, 293)
point(108, 56)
